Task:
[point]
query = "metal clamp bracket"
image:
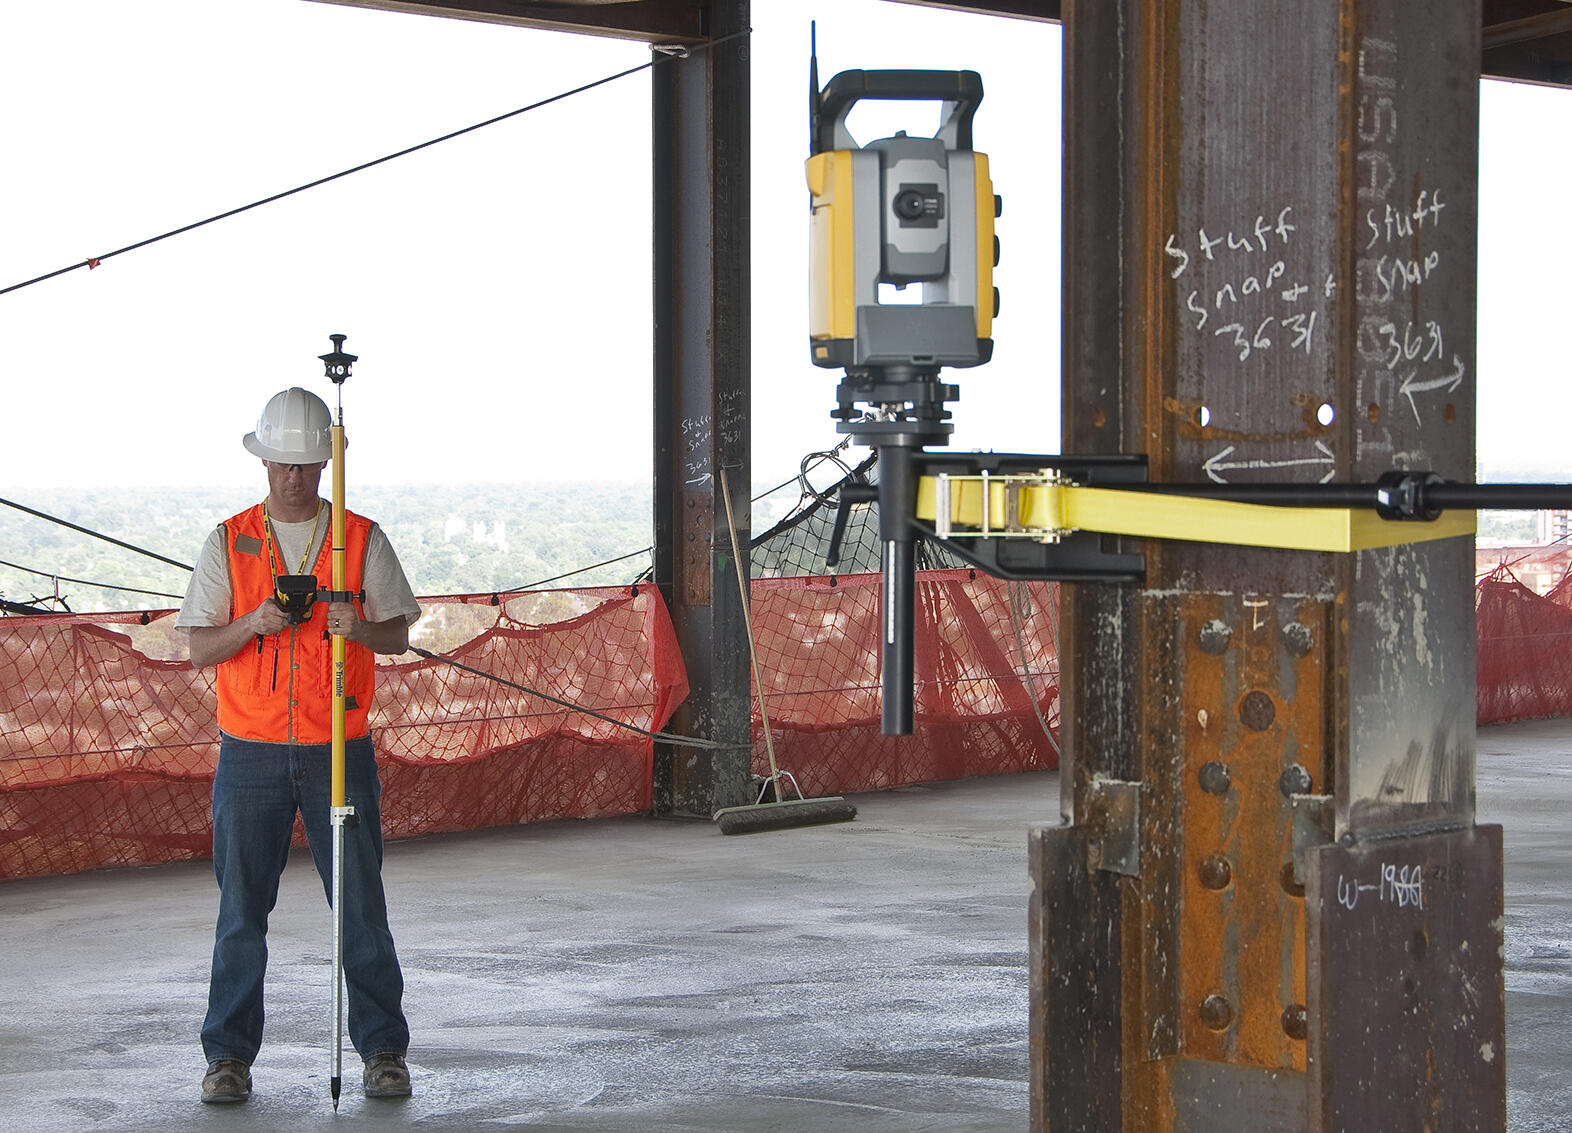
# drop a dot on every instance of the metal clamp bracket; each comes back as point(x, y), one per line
point(1313, 825)
point(1113, 824)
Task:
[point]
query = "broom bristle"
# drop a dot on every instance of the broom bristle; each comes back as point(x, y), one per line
point(783, 815)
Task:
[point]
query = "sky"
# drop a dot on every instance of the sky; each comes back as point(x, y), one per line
point(497, 287)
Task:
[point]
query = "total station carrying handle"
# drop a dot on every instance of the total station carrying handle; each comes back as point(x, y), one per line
point(960, 91)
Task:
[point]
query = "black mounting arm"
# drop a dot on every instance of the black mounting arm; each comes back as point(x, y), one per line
point(1395, 495)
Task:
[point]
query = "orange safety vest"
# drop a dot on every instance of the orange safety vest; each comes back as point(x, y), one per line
point(281, 691)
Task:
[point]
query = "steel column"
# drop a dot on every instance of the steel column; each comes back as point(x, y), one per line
point(700, 162)
point(1270, 219)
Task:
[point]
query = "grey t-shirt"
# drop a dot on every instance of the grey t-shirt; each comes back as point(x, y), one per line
point(207, 601)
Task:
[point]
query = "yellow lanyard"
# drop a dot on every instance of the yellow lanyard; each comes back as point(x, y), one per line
point(272, 566)
point(267, 527)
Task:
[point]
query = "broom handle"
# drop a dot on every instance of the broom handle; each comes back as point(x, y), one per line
point(747, 625)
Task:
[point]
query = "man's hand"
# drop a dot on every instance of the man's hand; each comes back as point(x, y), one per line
point(344, 620)
point(391, 636)
point(267, 619)
point(211, 645)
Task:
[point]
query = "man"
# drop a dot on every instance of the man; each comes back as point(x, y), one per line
point(275, 753)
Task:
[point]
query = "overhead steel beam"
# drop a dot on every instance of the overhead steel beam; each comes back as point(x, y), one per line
point(650, 21)
point(1527, 40)
point(1270, 226)
point(702, 402)
point(1526, 29)
point(1045, 10)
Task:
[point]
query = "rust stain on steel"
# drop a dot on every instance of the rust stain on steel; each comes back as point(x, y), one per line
point(696, 534)
point(1257, 708)
point(1159, 951)
point(1188, 416)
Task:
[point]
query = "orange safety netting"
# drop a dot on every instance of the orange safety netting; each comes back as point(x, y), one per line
point(109, 752)
point(987, 669)
point(110, 741)
point(1524, 660)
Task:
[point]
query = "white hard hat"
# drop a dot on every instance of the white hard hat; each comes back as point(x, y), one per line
point(295, 428)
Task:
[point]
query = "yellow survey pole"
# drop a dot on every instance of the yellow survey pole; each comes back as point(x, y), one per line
point(340, 812)
point(338, 585)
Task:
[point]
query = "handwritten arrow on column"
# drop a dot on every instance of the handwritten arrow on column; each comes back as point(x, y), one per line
point(1450, 383)
point(1215, 465)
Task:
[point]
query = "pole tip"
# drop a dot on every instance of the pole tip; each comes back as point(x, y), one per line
point(335, 1085)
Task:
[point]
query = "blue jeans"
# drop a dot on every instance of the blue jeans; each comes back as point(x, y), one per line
point(256, 791)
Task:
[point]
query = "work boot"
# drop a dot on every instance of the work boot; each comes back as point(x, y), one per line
point(226, 1080)
point(386, 1076)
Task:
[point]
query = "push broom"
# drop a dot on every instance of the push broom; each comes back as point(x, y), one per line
point(780, 812)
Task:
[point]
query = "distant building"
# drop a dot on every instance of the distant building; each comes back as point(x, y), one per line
point(1554, 526)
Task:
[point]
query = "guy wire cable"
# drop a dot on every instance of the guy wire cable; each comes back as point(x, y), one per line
point(87, 581)
point(664, 737)
point(96, 535)
point(821, 458)
point(661, 54)
point(187, 567)
point(576, 570)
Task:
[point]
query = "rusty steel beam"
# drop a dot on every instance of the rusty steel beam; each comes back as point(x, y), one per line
point(1270, 219)
point(1258, 672)
point(700, 133)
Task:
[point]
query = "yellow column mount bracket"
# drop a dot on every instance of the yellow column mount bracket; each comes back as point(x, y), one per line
point(1035, 516)
point(1046, 506)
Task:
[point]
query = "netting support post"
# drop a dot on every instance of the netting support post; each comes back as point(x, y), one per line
point(702, 404)
point(1257, 741)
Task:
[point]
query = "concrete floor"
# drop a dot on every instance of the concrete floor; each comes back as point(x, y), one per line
point(633, 974)
point(1525, 784)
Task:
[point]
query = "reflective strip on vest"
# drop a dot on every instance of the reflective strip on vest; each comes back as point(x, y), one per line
point(282, 692)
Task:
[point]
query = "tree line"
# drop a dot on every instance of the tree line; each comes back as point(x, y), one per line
point(452, 539)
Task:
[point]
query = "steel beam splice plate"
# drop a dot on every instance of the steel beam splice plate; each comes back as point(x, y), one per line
point(1407, 1028)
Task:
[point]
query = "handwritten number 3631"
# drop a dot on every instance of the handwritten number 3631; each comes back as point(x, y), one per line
point(1302, 327)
